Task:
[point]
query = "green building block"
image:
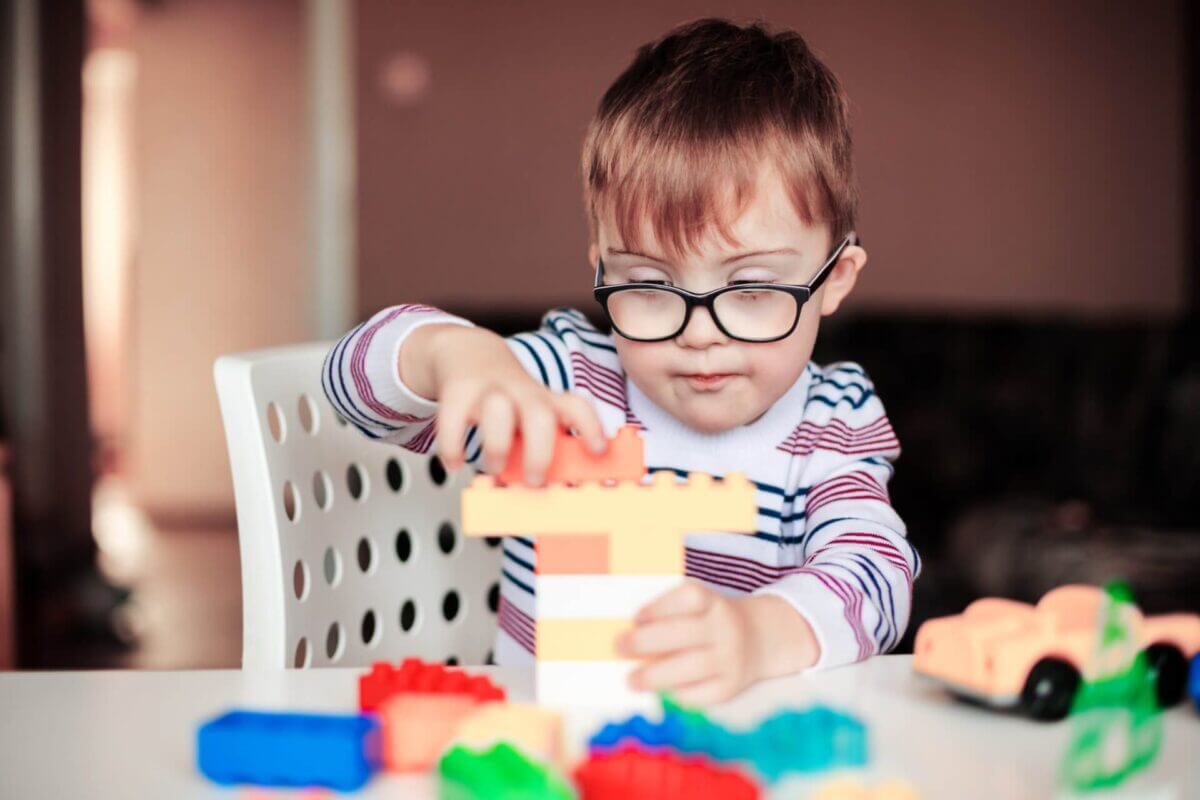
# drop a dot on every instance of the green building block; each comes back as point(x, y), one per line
point(1117, 721)
point(499, 773)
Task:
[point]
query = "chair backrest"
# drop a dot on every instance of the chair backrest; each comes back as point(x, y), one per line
point(351, 549)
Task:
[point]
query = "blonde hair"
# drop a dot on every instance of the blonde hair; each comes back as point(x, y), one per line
point(688, 125)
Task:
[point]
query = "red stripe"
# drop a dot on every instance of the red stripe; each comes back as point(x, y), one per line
point(602, 374)
point(358, 371)
point(811, 508)
point(421, 441)
point(853, 479)
point(601, 394)
point(851, 606)
point(879, 544)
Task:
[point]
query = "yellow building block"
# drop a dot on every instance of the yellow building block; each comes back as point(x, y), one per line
point(579, 639)
point(645, 523)
point(532, 729)
point(849, 789)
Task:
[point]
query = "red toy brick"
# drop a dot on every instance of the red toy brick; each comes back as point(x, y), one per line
point(414, 675)
point(633, 774)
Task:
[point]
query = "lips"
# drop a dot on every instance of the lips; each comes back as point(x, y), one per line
point(708, 380)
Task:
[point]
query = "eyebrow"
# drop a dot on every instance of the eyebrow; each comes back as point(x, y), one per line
point(782, 251)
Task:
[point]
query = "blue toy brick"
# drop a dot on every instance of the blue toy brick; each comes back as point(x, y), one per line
point(812, 740)
point(289, 750)
point(1194, 681)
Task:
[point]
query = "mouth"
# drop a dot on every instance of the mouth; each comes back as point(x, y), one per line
point(708, 381)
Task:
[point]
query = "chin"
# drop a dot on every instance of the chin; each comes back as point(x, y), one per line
point(717, 422)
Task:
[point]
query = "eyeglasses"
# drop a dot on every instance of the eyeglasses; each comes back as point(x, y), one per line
point(746, 311)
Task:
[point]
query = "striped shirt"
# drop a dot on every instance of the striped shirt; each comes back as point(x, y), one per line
point(827, 541)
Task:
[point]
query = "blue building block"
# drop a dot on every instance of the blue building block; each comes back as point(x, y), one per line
point(1194, 681)
point(808, 741)
point(812, 740)
point(289, 750)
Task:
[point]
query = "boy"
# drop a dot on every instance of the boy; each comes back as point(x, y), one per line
point(719, 190)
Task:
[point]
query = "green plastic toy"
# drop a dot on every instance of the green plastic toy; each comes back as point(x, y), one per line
point(499, 773)
point(1117, 720)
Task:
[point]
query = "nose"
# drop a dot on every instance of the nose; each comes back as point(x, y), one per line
point(701, 331)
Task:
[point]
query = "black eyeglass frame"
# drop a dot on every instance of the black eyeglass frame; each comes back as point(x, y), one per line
point(800, 292)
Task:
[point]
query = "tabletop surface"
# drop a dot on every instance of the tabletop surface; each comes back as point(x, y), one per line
point(132, 734)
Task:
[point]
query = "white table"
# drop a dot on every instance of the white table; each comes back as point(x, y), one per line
point(131, 734)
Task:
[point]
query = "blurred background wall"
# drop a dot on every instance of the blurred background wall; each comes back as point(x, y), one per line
point(1016, 157)
point(221, 174)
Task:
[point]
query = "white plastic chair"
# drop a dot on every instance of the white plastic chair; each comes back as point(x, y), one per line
point(351, 550)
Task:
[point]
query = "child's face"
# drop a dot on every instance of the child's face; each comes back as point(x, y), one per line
point(705, 379)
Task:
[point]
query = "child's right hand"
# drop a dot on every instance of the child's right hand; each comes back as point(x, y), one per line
point(476, 380)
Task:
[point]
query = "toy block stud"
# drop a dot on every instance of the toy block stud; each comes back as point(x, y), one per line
point(500, 772)
point(532, 729)
point(417, 676)
point(631, 774)
point(572, 463)
point(289, 750)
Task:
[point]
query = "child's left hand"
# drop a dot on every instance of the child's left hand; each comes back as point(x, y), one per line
point(704, 648)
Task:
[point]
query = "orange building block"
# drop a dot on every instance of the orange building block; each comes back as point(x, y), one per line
point(534, 730)
point(572, 462)
point(573, 555)
point(417, 727)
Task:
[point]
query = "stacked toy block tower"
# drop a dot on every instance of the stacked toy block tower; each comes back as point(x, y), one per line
point(608, 542)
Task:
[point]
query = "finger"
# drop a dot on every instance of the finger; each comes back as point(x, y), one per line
point(579, 414)
point(675, 672)
point(689, 598)
point(539, 427)
point(497, 419)
point(456, 410)
point(665, 636)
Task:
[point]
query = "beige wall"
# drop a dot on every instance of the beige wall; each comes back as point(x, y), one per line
point(1015, 156)
point(220, 222)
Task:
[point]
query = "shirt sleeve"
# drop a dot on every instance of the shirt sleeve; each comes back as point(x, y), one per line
point(854, 582)
point(361, 376)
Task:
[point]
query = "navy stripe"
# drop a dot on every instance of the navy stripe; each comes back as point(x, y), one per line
point(536, 358)
point(763, 487)
point(834, 403)
point(361, 415)
point(519, 584)
point(564, 328)
point(872, 569)
point(562, 370)
point(516, 560)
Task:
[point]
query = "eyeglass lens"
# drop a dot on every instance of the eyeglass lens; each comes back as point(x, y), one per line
point(650, 313)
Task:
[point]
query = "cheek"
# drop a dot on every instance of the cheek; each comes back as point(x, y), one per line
point(642, 358)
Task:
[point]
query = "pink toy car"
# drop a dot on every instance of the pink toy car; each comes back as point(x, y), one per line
point(1008, 654)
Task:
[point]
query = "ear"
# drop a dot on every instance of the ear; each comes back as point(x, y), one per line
point(842, 278)
point(593, 255)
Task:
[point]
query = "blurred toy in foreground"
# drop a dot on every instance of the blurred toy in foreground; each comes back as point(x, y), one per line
point(1116, 714)
point(1008, 654)
point(1194, 681)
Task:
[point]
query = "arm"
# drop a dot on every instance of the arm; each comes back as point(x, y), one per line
point(413, 376)
point(854, 585)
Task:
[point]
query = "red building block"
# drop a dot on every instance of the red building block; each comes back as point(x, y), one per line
point(416, 676)
point(571, 462)
point(632, 774)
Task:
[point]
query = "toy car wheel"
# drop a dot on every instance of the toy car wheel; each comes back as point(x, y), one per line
point(1169, 670)
point(1049, 689)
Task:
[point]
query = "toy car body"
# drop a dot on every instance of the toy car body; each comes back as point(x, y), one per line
point(1006, 653)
